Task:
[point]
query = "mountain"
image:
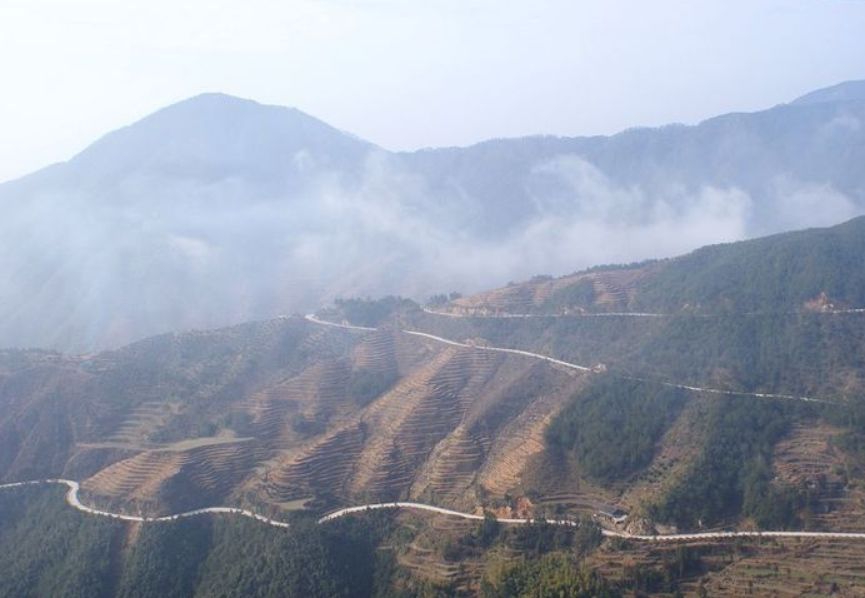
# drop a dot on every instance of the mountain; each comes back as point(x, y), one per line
point(843, 92)
point(219, 210)
point(212, 137)
point(200, 214)
point(810, 270)
point(754, 174)
point(740, 406)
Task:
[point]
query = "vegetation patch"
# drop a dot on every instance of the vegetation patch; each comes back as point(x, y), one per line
point(367, 384)
point(552, 576)
point(732, 475)
point(578, 295)
point(366, 312)
point(612, 427)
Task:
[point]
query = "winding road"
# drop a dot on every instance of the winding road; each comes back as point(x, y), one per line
point(73, 500)
point(315, 320)
point(500, 350)
point(574, 366)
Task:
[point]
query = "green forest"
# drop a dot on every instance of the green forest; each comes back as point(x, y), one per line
point(611, 428)
point(49, 549)
point(771, 274)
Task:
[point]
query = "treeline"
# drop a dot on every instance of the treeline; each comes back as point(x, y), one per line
point(564, 573)
point(610, 430)
point(440, 299)
point(807, 354)
point(794, 354)
point(367, 312)
point(244, 558)
point(48, 549)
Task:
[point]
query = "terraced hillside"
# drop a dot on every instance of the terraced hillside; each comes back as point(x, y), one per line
point(432, 434)
point(602, 291)
point(278, 412)
point(292, 411)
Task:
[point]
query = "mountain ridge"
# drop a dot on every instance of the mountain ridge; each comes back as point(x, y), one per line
point(844, 91)
point(218, 210)
point(852, 90)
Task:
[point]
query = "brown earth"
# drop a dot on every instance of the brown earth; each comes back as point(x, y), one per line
point(269, 413)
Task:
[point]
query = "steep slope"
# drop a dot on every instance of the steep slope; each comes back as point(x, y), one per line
point(273, 412)
point(809, 270)
point(466, 409)
point(214, 137)
point(748, 330)
point(188, 218)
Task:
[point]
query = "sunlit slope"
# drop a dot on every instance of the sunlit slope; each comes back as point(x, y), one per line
point(273, 412)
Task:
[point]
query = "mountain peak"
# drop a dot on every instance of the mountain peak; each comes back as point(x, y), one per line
point(219, 135)
point(842, 92)
point(227, 104)
point(218, 96)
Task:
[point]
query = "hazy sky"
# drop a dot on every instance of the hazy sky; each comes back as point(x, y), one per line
point(412, 73)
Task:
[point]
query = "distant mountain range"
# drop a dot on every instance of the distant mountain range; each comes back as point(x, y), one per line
point(219, 210)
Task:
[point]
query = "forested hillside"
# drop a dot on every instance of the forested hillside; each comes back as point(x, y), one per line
point(813, 270)
point(51, 550)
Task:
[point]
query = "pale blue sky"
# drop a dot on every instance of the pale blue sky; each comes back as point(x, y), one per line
point(412, 73)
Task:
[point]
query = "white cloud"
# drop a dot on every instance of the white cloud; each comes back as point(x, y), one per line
point(803, 205)
point(197, 251)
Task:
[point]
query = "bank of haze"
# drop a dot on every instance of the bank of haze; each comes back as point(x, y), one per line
point(219, 210)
